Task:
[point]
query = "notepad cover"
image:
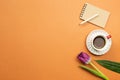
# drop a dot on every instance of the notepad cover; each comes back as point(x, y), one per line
point(90, 10)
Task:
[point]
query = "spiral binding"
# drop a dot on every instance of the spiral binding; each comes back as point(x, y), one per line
point(83, 10)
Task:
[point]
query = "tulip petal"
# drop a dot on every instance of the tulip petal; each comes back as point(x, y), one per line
point(84, 57)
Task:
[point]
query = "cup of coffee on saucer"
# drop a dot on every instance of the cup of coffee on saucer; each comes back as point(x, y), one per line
point(98, 42)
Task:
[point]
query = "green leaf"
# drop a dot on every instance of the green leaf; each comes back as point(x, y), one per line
point(114, 66)
point(94, 72)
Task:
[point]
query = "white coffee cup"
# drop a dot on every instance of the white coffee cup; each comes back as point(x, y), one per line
point(99, 42)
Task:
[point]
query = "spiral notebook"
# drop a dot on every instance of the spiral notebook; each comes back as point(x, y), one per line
point(89, 10)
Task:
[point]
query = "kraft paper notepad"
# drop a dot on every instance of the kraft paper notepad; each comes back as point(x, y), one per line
point(90, 10)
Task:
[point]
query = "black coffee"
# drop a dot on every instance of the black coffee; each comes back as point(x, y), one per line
point(99, 42)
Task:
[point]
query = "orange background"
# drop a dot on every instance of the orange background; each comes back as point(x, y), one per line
point(40, 39)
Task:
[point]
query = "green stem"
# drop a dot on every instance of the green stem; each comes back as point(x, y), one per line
point(98, 70)
point(93, 72)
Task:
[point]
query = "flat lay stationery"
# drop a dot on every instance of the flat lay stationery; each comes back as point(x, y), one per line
point(90, 10)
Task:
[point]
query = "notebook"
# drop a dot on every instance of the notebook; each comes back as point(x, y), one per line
point(90, 10)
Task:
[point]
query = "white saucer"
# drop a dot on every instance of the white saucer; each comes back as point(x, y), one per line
point(91, 36)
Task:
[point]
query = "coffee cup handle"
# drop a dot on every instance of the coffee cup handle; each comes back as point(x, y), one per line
point(109, 36)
